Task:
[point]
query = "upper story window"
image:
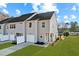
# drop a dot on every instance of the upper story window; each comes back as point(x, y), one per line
point(0, 27)
point(12, 26)
point(30, 25)
point(43, 24)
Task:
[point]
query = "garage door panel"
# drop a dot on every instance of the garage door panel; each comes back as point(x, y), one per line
point(31, 38)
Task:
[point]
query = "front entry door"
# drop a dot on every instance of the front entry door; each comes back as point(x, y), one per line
point(49, 38)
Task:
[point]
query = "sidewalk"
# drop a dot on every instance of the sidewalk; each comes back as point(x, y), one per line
point(12, 49)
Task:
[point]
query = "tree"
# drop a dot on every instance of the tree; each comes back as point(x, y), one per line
point(74, 26)
point(3, 16)
point(66, 27)
point(66, 33)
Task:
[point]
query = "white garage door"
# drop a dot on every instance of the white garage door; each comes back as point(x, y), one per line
point(20, 39)
point(31, 38)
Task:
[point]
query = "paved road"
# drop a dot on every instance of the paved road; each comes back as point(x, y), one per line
point(12, 49)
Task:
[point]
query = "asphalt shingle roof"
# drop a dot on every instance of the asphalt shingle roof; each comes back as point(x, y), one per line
point(16, 19)
point(21, 18)
point(41, 16)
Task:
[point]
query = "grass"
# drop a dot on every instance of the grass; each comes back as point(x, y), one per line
point(30, 50)
point(5, 45)
point(67, 47)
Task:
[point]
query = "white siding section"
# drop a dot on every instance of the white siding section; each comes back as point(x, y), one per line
point(4, 37)
point(53, 27)
point(32, 30)
point(12, 37)
point(19, 28)
point(42, 31)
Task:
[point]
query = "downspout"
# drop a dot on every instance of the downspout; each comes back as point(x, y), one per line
point(4, 28)
point(25, 30)
point(37, 31)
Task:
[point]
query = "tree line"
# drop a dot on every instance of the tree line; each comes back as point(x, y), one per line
point(74, 26)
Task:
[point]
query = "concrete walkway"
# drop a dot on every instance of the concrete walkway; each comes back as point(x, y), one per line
point(12, 49)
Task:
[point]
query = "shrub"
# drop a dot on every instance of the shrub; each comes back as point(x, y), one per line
point(57, 39)
point(66, 33)
point(14, 42)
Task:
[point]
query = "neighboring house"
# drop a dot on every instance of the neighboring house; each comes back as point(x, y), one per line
point(40, 27)
point(74, 33)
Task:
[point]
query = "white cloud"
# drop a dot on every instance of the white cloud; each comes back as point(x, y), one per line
point(35, 7)
point(65, 17)
point(66, 21)
point(18, 12)
point(50, 7)
point(44, 7)
point(5, 11)
point(74, 8)
point(3, 5)
point(58, 19)
point(25, 4)
point(73, 16)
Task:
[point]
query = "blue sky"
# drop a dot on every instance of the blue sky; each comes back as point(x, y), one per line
point(66, 12)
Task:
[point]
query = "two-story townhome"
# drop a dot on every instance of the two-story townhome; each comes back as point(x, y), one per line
point(41, 26)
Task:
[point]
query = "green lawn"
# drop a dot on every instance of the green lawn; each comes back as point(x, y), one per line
point(67, 47)
point(5, 45)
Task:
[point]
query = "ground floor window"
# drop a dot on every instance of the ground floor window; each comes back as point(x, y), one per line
point(19, 34)
point(40, 36)
point(0, 27)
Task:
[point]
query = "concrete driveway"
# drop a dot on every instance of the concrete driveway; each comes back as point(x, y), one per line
point(12, 49)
